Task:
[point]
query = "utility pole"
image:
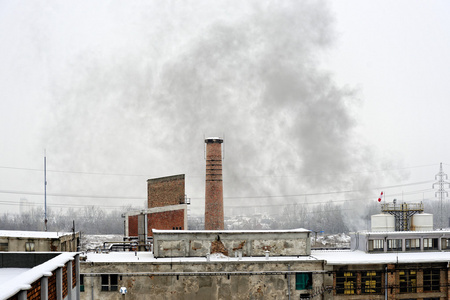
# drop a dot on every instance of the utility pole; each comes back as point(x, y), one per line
point(441, 183)
point(45, 190)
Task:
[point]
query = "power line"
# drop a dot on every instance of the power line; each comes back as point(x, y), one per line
point(322, 193)
point(71, 195)
point(266, 175)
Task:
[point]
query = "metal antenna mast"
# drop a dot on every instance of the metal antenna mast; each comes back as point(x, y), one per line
point(45, 190)
point(441, 176)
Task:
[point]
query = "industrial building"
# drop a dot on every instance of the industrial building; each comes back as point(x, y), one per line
point(166, 207)
point(35, 241)
point(42, 275)
point(401, 257)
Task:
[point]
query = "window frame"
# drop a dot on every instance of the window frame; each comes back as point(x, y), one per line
point(346, 282)
point(375, 282)
point(431, 280)
point(109, 282)
point(407, 281)
point(300, 281)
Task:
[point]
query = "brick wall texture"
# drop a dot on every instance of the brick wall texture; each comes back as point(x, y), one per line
point(74, 274)
point(35, 291)
point(214, 218)
point(162, 220)
point(52, 287)
point(64, 283)
point(165, 191)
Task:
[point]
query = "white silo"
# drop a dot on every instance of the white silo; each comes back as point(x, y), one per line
point(422, 222)
point(383, 222)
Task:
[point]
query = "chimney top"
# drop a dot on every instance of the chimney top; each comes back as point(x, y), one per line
point(214, 140)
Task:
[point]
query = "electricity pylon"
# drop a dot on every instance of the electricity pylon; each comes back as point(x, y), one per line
point(441, 177)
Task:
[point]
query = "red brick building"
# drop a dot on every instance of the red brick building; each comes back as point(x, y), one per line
point(166, 206)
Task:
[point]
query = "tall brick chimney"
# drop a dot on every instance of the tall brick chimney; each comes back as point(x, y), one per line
point(213, 185)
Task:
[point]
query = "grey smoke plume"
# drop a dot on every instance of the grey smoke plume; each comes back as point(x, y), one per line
point(141, 99)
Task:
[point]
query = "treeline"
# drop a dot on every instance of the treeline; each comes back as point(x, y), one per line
point(327, 217)
point(89, 220)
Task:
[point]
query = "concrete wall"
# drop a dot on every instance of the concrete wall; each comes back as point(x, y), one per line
point(254, 243)
point(185, 280)
point(67, 243)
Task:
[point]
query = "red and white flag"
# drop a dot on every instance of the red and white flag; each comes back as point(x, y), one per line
point(381, 196)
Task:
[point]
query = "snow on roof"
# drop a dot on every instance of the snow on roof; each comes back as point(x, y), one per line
point(145, 257)
point(357, 257)
point(297, 230)
point(23, 280)
point(8, 273)
point(433, 232)
point(33, 234)
point(332, 257)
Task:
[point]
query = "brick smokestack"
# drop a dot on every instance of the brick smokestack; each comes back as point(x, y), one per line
point(213, 186)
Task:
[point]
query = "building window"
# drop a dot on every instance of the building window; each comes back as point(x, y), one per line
point(110, 282)
point(303, 281)
point(394, 245)
point(29, 246)
point(412, 244)
point(430, 244)
point(408, 281)
point(376, 245)
point(4, 247)
point(371, 282)
point(345, 283)
point(81, 283)
point(431, 279)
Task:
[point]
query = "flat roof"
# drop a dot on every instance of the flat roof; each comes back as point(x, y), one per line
point(33, 234)
point(331, 257)
point(146, 257)
point(298, 230)
point(9, 273)
point(24, 278)
point(358, 257)
point(394, 233)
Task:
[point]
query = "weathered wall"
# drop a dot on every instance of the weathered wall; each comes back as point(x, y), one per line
point(165, 191)
point(256, 243)
point(212, 286)
point(63, 243)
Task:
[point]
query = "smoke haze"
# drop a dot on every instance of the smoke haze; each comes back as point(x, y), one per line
point(135, 88)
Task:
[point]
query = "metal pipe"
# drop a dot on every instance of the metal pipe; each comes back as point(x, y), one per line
point(289, 282)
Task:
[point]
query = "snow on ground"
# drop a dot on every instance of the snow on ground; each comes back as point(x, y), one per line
point(340, 240)
point(93, 241)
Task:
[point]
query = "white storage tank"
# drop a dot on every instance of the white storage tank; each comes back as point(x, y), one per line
point(383, 222)
point(422, 222)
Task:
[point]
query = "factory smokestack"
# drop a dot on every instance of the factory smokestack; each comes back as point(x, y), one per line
point(213, 187)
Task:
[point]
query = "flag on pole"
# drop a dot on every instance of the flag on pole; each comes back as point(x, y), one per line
point(381, 196)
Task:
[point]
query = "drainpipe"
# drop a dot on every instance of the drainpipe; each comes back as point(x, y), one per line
point(289, 282)
point(385, 283)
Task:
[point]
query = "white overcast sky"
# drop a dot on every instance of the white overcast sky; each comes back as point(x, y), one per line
point(394, 55)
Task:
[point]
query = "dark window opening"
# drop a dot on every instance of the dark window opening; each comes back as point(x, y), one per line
point(303, 281)
point(110, 282)
point(431, 278)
